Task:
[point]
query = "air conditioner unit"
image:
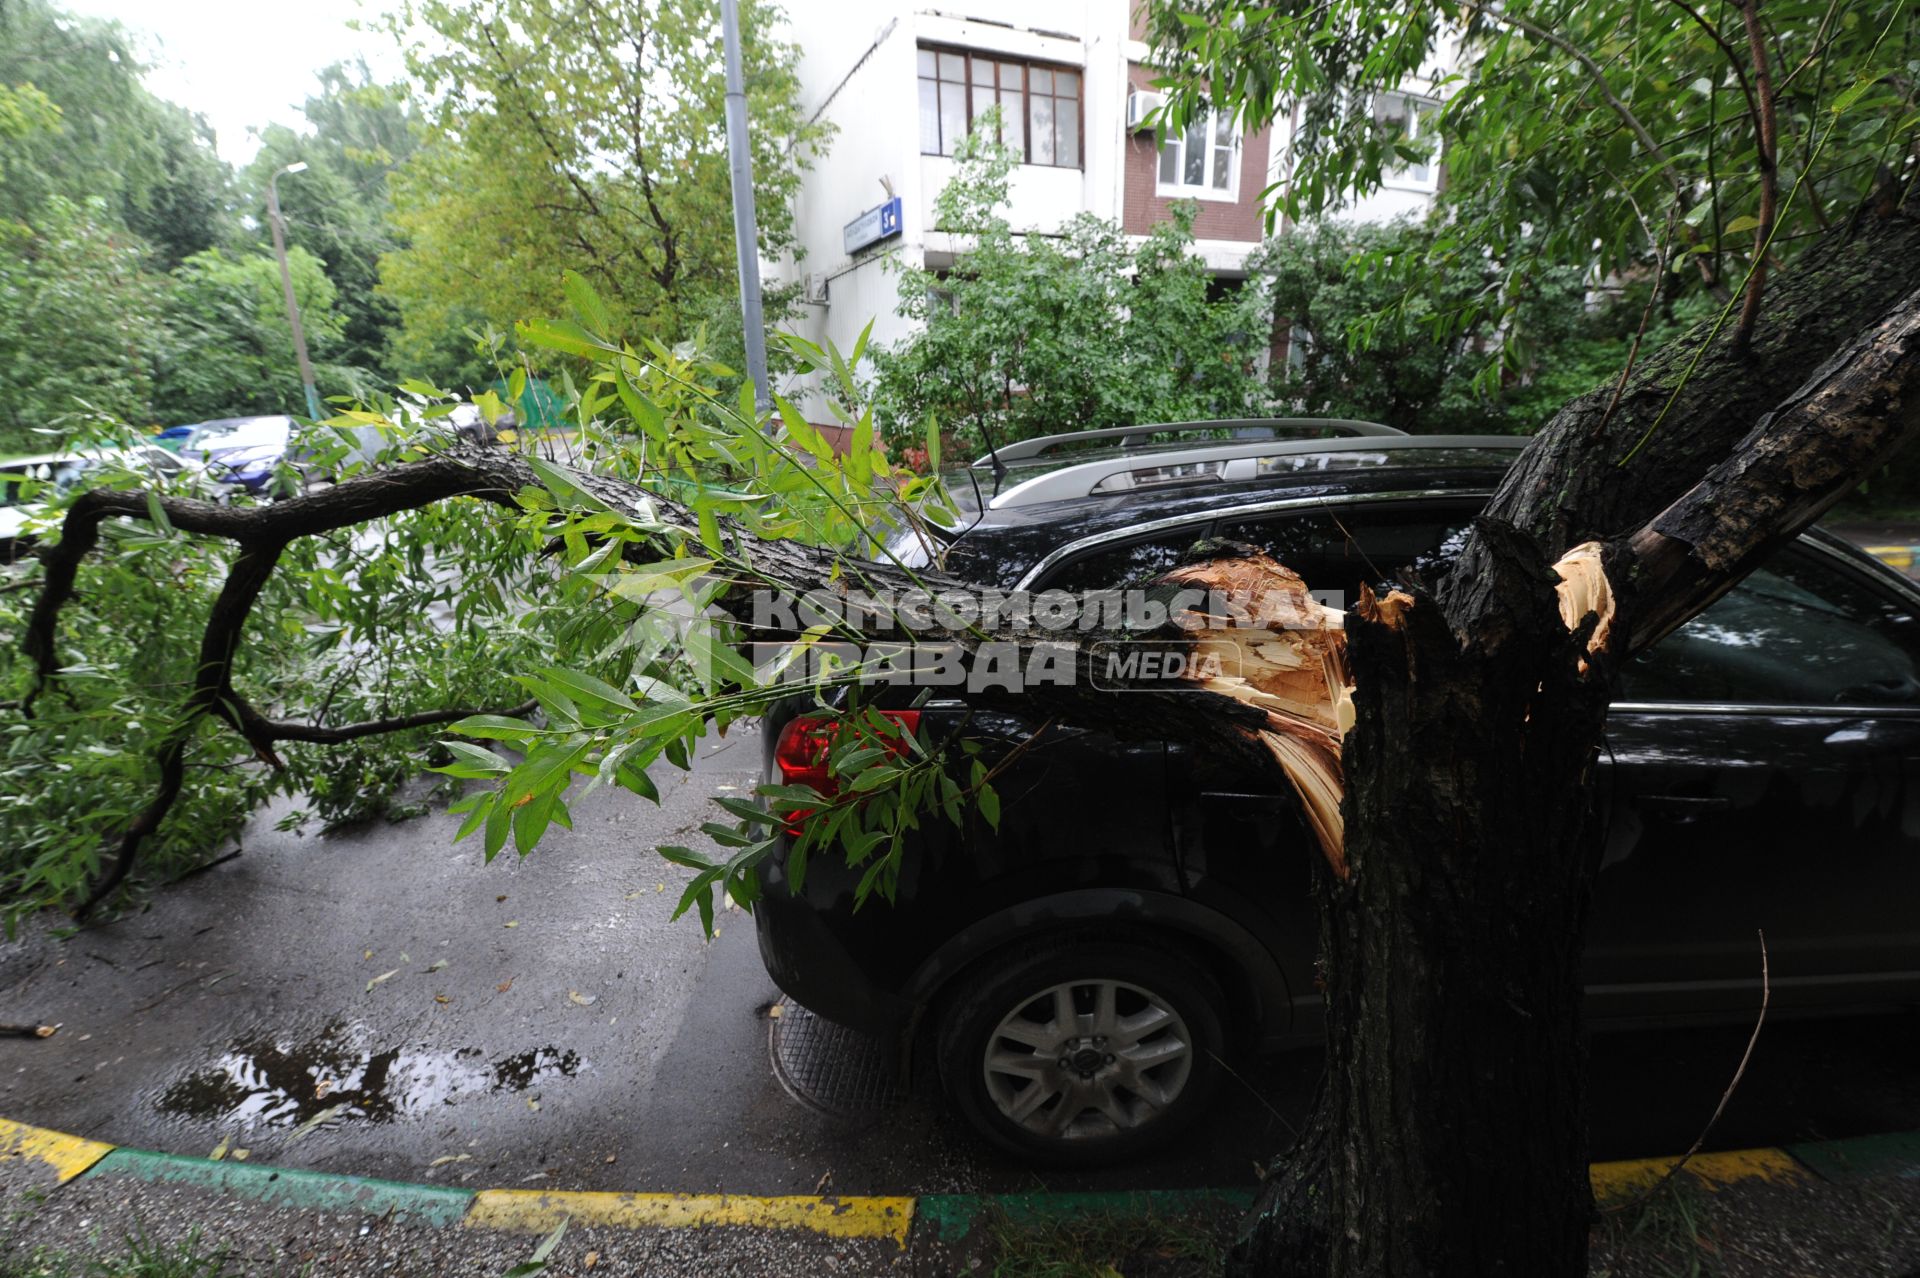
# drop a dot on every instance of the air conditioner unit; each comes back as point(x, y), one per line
point(815, 283)
point(1142, 103)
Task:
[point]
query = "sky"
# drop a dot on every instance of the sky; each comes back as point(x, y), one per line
point(243, 64)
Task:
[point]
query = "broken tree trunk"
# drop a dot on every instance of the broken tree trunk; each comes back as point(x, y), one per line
point(1450, 1134)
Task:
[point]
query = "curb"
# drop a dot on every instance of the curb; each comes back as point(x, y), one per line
point(942, 1217)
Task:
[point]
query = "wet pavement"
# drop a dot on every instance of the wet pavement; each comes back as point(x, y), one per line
point(380, 1002)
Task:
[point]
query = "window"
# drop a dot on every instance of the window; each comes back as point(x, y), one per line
point(1801, 631)
point(1131, 563)
point(1411, 120)
point(1373, 544)
point(1039, 104)
point(1203, 159)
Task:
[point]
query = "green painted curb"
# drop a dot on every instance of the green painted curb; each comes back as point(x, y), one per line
point(289, 1187)
point(950, 1217)
point(1891, 1154)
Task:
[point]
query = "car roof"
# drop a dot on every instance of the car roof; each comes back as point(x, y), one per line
point(996, 542)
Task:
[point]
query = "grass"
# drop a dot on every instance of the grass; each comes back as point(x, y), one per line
point(1109, 1246)
point(143, 1259)
point(1671, 1235)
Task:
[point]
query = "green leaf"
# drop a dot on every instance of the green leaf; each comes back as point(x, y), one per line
point(537, 1264)
point(748, 811)
point(584, 687)
point(495, 728)
point(586, 303)
point(874, 778)
point(473, 761)
point(989, 803)
point(564, 336)
point(684, 856)
point(158, 514)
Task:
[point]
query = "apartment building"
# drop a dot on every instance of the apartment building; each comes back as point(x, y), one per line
point(903, 81)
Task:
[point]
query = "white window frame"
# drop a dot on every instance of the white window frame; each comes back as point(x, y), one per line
point(1207, 191)
point(1419, 112)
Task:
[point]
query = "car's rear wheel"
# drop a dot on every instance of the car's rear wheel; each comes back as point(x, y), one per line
point(1082, 1052)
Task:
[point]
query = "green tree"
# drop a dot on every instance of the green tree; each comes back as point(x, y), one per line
point(565, 131)
point(80, 321)
point(339, 210)
point(149, 160)
point(1346, 360)
point(229, 346)
point(1029, 334)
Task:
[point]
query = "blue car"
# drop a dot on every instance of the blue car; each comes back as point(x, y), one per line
point(246, 452)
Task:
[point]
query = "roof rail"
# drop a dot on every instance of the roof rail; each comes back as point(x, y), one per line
point(1216, 461)
point(1025, 448)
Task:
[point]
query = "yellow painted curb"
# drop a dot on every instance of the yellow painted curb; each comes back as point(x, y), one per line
point(1892, 556)
point(1618, 1180)
point(68, 1156)
point(532, 1211)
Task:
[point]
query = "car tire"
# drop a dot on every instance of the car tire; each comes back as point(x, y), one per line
point(1137, 1063)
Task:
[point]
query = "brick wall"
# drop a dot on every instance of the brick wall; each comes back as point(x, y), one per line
point(1142, 207)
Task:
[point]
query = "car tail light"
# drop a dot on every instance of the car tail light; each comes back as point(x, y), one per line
point(801, 753)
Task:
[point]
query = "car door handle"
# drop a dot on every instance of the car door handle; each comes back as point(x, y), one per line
point(1685, 804)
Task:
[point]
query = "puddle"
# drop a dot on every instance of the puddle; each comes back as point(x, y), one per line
point(268, 1081)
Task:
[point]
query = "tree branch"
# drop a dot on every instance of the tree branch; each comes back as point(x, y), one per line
point(1848, 418)
point(1766, 156)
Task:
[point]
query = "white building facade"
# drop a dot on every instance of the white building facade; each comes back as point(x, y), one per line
point(901, 82)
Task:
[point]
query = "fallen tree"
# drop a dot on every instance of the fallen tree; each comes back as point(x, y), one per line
point(1442, 745)
point(1451, 802)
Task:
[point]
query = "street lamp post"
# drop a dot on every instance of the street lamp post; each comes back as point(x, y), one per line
point(746, 231)
point(286, 285)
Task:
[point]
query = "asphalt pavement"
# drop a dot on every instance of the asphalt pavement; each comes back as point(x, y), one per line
point(379, 1001)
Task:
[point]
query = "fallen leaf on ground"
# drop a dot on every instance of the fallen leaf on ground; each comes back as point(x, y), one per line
point(533, 1104)
point(367, 955)
point(405, 957)
point(505, 985)
point(501, 897)
point(321, 1088)
point(513, 922)
point(773, 1013)
point(821, 1184)
point(444, 1159)
point(219, 1151)
point(441, 998)
point(611, 1157)
point(384, 976)
point(437, 965)
point(240, 1155)
point(582, 1000)
point(659, 887)
point(331, 1111)
point(589, 1260)
point(47, 1031)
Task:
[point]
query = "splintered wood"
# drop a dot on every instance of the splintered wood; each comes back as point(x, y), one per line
point(1280, 650)
point(1284, 652)
point(1584, 589)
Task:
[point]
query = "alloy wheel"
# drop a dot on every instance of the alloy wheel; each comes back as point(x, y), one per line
point(1086, 1059)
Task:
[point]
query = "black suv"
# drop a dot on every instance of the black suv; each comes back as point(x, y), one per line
point(1142, 910)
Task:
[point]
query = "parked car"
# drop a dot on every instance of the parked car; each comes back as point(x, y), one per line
point(246, 452)
point(173, 438)
point(1143, 909)
point(27, 482)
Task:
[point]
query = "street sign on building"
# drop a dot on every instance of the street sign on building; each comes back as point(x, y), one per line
point(881, 222)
